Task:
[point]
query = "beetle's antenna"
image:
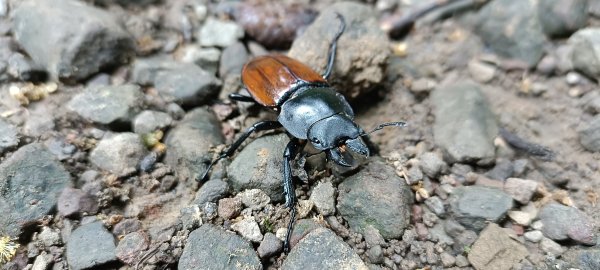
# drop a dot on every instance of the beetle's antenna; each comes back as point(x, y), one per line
point(333, 46)
point(388, 124)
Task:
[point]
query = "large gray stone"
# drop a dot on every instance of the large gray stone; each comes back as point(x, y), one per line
point(90, 246)
point(474, 206)
point(586, 51)
point(210, 247)
point(106, 105)
point(71, 38)
point(511, 29)
point(561, 222)
point(362, 52)
point(322, 249)
point(184, 83)
point(560, 18)
point(584, 259)
point(188, 143)
point(496, 249)
point(30, 182)
point(119, 154)
point(260, 166)
point(376, 196)
point(464, 126)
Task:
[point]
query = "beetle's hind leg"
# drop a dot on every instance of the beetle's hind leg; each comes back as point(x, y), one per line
point(259, 126)
point(291, 151)
point(241, 98)
point(333, 46)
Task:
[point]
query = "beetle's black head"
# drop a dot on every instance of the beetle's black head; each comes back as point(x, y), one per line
point(337, 136)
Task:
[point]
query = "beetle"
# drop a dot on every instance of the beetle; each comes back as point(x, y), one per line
point(309, 110)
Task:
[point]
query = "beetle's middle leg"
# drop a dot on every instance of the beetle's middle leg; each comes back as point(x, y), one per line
point(259, 126)
point(291, 151)
point(240, 97)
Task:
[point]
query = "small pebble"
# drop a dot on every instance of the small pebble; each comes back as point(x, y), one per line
point(533, 236)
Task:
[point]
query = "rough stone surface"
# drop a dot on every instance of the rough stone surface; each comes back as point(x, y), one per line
point(473, 206)
point(363, 49)
point(589, 135)
point(76, 202)
point(509, 28)
point(520, 189)
point(131, 246)
point(30, 182)
point(108, 104)
point(119, 154)
point(255, 199)
point(184, 83)
point(585, 54)
point(89, 246)
point(584, 259)
point(219, 33)
point(211, 191)
point(199, 128)
point(323, 197)
point(495, 249)
point(551, 247)
point(431, 164)
point(376, 196)
point(233, 59)
point(464, 125)
point(562, 222)
point(259, 166)
point(89, 38)
point(325, 250)
point(210, 247)
point(9, 136)
point(150, 121)
point(49, 237)
point(533, 236)
point(229, 208)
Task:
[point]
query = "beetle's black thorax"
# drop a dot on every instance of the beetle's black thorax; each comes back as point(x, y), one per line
point(309, 105)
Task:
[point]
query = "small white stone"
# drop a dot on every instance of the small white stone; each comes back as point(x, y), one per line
point(323, 197)
point(249, 229)
point(538, 225)
point(481, 72)
point(533, 236)
point(281, 233)
point(304, 208)
point(254, 198)
point(520, 217)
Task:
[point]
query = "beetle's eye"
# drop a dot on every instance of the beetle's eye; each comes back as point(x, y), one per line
point(315, 140)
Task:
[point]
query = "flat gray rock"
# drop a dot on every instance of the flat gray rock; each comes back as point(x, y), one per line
point(376, 196)
point(474, 206)
point(259, 165)
point(119, 154)
point(89, 246)
point(215, 32)
point(210, 247)
point(464, 126)
point(31, 180)
point(511, 30)
point(84, 38)
point(189, 141)
point(184, 83)
point(150, 121)
point(322, 249)
point(211, 191)
point(108, 104)
point(362, 50)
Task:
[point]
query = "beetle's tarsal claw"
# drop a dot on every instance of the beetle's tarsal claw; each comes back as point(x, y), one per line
point(336, 155)
point(358, 146)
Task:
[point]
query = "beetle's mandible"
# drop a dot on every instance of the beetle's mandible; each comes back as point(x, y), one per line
point(309, 110)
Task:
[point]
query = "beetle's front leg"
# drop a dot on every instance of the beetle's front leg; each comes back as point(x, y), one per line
point(291, 150)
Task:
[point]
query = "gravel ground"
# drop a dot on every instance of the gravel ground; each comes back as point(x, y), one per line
point(111, 109)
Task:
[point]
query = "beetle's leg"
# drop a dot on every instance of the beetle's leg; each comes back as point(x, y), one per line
point(291, 150)
point(333, 46)
point(259, 126)
point(240, 97)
